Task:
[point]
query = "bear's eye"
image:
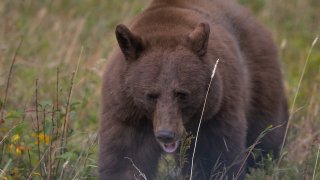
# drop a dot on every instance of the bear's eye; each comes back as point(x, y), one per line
point(152, 96)
point(181, 95)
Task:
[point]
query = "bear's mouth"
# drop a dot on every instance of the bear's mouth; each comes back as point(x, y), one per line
point(170, 147)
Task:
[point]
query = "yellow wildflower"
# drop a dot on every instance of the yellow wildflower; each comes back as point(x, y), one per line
point(11, 148)
point(37, 174)
point(18, 151)
point(15, 138)
point(43, 138)
point(47, 140)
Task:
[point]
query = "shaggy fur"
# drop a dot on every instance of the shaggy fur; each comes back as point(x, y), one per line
point(156, 81)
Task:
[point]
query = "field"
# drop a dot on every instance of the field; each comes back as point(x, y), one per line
point(52, 56)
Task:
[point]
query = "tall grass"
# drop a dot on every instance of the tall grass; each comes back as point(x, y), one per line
point(36, 78)
point(200, 122)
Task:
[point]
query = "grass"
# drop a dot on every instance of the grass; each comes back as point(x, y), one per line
point(204, 106)
point(54, 84)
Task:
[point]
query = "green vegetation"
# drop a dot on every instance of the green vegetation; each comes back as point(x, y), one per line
point(50, 98)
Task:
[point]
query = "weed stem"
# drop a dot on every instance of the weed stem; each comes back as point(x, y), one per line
point(204, 105)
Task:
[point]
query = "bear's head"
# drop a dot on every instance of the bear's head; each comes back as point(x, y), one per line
point(167, 78)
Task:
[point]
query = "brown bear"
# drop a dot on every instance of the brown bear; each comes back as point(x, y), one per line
point(155, 84)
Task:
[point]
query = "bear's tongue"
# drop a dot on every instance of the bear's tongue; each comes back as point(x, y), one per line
point(170, 147)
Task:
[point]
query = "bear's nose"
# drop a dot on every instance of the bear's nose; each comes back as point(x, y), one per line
point(165, 136)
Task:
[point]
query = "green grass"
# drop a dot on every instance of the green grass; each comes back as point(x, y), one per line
point(54, 34)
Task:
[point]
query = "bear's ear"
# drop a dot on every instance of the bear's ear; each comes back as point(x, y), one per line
point(130, 44)
point(199, 38)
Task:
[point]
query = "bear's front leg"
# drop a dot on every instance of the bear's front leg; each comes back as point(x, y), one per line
point(126, 150)
point(220, 151)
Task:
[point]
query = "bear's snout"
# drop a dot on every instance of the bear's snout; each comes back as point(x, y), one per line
point(165, 136)
point(167, 140)
point(167, 124)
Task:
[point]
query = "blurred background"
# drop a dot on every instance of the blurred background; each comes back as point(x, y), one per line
point(52, 56)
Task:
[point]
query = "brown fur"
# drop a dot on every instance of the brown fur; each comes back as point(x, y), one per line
point(158, 78)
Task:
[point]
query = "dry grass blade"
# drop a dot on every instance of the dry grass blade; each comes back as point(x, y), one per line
point(251, 148)
point(66, 120)
point(140, 173)
point(3, 171)
point(3, 105)
point(38, 164)
point(66, 117)
point(8, 133)
point(315, 166)
point(296, 95)
point(85, 155)
point(204, 105)
point(38, 128)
